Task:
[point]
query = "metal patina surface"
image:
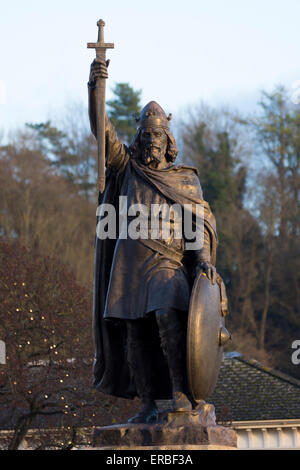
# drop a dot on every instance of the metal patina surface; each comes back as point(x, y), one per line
point(142, 285)
point(100, 46)
point(206, 336)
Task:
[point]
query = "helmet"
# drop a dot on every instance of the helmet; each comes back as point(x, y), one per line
point(153, 116)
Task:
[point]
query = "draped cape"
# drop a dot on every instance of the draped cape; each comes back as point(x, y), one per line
point(180, 184)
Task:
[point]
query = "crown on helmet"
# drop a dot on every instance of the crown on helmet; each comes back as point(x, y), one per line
point(153, 115)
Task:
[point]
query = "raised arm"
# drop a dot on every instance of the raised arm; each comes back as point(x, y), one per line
point(117, 154)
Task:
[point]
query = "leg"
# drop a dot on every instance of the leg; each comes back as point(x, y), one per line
point(140, 363)
point(172, 331)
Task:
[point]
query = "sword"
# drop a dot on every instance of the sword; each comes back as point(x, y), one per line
point(100, 47)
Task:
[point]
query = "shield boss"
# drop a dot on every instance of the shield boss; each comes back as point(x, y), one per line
point(206, 334)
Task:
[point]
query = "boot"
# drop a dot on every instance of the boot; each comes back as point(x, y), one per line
point(173, 343)
point(148, 413)
point(140, 365)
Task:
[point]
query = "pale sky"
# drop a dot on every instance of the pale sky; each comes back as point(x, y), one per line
point(178, 52)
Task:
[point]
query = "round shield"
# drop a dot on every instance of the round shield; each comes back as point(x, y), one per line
point(206, 335)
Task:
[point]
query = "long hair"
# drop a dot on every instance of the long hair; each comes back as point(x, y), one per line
point(171, 152)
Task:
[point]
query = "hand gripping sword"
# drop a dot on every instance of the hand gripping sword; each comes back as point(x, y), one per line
point(100, 47)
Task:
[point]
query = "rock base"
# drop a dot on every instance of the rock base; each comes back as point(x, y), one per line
point(184, 430)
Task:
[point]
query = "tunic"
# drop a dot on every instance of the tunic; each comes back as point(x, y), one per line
point(143, 280)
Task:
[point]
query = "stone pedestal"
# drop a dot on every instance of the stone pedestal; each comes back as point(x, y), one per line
point(181, 430)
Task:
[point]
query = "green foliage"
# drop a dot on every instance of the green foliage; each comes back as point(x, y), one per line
point(223, 183)
point(211, 142)
point(52, 141)
point(71, 151)
point(123, 109)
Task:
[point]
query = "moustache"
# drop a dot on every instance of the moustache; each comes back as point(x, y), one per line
point(152, 152)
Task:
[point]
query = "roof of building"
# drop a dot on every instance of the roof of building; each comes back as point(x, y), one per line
point(248, 391)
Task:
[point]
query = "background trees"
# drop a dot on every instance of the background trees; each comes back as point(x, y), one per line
point(277, 128)
point(47, 229)
point(43, 323)
point(41, 208)
point(47, 380)
point(249, 172)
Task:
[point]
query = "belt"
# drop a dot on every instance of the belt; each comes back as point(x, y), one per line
point(167, 251)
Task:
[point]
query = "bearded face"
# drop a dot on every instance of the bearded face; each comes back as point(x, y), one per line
point(154, 143)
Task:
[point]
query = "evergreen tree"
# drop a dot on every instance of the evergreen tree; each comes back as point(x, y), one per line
point(72, 151)
point(214, 147)
point(123, 109)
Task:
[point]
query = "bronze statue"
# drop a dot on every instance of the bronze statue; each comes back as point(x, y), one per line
point(142, 286)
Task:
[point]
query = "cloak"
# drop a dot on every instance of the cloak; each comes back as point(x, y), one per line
point(180, 184)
